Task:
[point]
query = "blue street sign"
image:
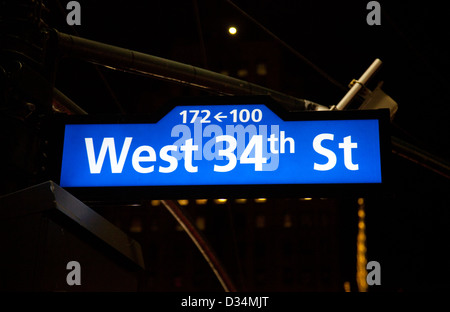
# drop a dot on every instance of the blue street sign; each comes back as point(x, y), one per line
point(245, 144)
point(225, 145)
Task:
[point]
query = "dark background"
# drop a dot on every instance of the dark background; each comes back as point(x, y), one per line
point(407, 228)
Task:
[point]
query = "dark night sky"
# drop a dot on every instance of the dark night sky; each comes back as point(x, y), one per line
point(334, 35)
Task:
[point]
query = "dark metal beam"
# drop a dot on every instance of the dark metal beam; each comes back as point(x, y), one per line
point(66, 103)
point(157, 67)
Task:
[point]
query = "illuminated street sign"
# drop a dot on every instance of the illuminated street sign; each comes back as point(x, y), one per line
point(227, 145)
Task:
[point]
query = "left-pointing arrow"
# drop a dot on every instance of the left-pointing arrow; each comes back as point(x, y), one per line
point(218, 117)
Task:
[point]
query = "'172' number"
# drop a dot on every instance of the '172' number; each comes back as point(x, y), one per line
point(195, 113)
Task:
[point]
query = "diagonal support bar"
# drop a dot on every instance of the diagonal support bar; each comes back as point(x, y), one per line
point(202, 245)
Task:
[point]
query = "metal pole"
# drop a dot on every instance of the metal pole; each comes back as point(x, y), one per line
point(358, 85)
point(157, 67)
